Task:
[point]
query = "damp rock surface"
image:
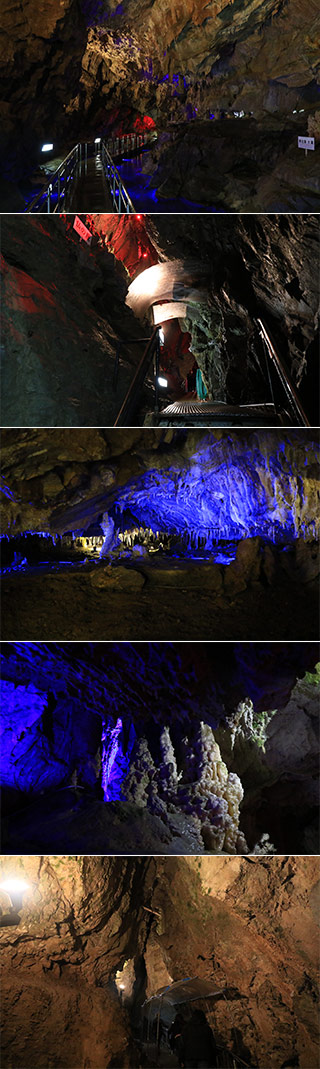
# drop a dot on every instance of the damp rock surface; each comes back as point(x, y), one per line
point(160, 748)
point(106, 66)
point(64, 316)
point(251, 928)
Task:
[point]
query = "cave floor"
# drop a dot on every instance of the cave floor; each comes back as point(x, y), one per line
point(165, 1059)
point(72, 821)
point(144, 602)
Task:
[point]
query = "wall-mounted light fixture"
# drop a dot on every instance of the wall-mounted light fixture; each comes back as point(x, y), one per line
point(161, 381)
point(14, 888)
point(47, 147)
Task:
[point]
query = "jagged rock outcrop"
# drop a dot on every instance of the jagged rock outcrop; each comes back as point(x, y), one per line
point(171, 480)
point(258, 489)
point(64, 311)
point(248, 925)
point(81, 729)
point(104, 63)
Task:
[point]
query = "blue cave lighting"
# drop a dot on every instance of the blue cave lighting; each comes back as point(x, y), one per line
point(110, 748)
point(6, 491)
point(115, 758)
point(22, 709)
point(82, 710)
point(222, 495)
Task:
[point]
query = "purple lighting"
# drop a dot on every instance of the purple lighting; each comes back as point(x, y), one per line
point(110, 748)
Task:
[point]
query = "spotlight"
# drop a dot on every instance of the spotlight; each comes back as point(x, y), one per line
point(161, 381)
point(47, 148)
point(15, 890)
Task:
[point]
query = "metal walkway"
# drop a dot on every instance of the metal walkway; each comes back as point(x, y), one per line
point(89, 191)
point(87, 180)
point(219, 414)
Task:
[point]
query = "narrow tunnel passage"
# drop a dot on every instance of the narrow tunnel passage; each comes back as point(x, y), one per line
point(75, 333)
point(116, 948)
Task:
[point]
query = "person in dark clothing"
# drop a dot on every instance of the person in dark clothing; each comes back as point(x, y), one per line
point(198, 1049)
point(175, 1035)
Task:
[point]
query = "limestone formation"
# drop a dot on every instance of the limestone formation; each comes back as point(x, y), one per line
point(250, 926)
point(105, 65)
point(251, 267)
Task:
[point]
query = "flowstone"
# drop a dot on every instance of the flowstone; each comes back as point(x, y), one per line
point(204, 790)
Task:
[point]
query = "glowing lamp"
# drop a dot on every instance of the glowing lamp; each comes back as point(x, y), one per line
point(122, 987)
point(15, 890)
point(96, 140)
point(47, 147)
point(161, 381)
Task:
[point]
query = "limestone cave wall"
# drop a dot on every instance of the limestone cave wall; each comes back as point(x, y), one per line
point(88, 722)
point(60, 480)
point(63, 310)
point(248, 925)
point(99, 64)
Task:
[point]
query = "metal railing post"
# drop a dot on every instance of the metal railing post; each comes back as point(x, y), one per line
point(116, 368)
point(49, 191)
point(284, 376)
point(157, 369)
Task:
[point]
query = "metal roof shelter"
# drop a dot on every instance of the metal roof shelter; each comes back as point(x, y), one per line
point(166, 1001)
point(188, 990)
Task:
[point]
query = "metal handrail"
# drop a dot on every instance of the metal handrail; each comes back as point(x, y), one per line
point(133, 394)
point(117, 189)
point(234, 1060)
point(60, 178)
point(284, 376)
point(128, 142)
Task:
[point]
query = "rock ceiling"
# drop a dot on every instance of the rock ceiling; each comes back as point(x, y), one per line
point(78, 63)
point(128, 676)
point(61, 480)
point(64, 304)
point(252, 924)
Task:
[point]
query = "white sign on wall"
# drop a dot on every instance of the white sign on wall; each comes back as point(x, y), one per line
point(306, 143)
point(82, 230)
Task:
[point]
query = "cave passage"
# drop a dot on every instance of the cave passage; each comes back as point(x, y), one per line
point(160, 748)
point(212, 533)
point(222, 93)
point(115, 948)
point(234, 302)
